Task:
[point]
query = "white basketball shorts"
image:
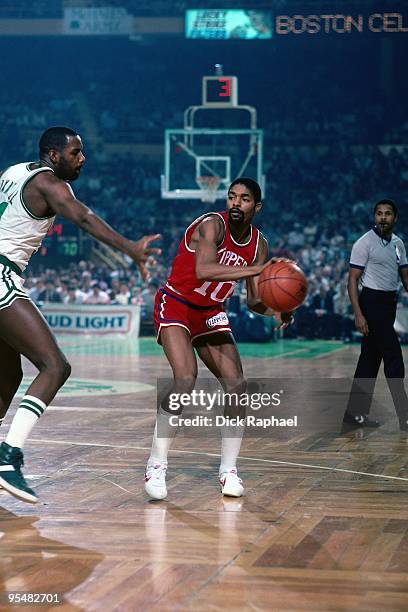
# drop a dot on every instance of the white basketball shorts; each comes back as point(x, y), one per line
point(11, 286)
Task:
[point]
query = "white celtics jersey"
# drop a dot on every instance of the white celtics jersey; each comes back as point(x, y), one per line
point(21, 232)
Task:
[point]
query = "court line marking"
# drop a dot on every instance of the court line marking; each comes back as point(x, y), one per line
point(188, 452)
point(283, 355)
point(337, 350)
point(117, 485)
point(297, 352)
point(96, 409)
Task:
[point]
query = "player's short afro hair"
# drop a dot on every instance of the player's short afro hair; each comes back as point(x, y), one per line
point(252, 185)
point(55, 138)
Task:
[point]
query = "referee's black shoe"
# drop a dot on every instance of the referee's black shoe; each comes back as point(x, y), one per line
point(403, 425)
point(359, 420)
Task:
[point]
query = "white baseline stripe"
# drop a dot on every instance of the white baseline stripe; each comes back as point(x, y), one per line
point(147, 448)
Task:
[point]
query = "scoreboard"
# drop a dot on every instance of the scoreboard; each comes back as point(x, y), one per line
point(64, 243)
point(228, 24)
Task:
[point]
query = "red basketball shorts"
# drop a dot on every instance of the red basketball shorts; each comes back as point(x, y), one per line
point(171, 309)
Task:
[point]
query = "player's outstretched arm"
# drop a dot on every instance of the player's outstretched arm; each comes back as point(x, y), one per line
point(205, 239)
point(61, 200)
point(253, 300)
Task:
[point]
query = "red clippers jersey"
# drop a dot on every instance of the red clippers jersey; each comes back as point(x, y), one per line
point(183, 280)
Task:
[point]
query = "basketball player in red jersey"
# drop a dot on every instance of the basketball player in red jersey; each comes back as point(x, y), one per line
point(218, 249)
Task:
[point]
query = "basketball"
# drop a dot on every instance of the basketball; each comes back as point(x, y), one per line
point(282, 286)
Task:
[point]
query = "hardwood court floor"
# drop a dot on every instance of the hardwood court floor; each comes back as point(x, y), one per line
point(303, 537)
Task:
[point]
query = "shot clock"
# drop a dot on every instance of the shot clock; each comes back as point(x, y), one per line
point(220, 91)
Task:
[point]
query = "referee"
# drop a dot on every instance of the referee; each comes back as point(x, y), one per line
point(378, 261)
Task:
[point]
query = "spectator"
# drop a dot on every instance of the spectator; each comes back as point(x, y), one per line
point(49, 294)
point(74, 296)
point(123, 297)
point(36, 290)
point(97, 296)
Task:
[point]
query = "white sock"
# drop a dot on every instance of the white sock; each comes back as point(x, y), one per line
point(162, 439)
point(27, 415)
point(230, 447)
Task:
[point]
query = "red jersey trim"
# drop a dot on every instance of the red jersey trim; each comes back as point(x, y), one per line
point(242, 244)
point(256, 247)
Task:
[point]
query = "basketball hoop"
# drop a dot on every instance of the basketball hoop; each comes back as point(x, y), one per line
point(209, 186)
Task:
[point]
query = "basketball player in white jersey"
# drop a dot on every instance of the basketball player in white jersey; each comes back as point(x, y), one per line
point(31, 194)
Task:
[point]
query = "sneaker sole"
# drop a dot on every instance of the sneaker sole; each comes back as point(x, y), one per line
point(155, 496)
point(231, 493)
point(30, 499)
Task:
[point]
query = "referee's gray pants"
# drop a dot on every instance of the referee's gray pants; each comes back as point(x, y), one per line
point(381, 344)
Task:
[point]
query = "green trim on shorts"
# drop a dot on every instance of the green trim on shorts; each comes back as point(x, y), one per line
point(8, 281)
point(13, 292)
point(13, 296)
point(11, 265)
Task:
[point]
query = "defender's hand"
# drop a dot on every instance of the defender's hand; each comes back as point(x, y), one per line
point(140, 252)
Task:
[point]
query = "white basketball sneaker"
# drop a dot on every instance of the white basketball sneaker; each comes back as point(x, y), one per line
point(155, 481)
point(231, 484)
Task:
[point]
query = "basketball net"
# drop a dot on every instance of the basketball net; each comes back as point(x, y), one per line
point(208, 186)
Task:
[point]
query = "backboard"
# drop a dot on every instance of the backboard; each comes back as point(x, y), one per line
point(198, 157)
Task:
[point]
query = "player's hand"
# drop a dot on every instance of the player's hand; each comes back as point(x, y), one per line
point(284, 319)
point(271, 261)
point(140, 252)
point(361, 324)
point(280, 260)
